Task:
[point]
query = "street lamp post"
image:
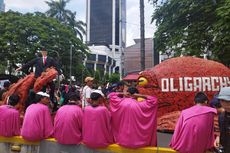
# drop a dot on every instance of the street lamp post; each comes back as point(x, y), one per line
point(58, 65)
point(70, 64)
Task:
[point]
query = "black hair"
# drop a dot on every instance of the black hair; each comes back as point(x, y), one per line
point(31, 99)
point(200, 97)
point(74, 96)
point(43, 49)
point(95, 96)
point(38, 98)
point(132, 90)
point(13, 99)
point(6, 84)
point(120, 83)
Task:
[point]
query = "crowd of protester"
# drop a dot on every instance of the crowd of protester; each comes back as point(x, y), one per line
point(112, 114)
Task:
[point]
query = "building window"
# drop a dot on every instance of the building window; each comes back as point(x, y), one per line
point(101, 21)
point(89, 66)
point(117, 69)
point(91, 57)
point(114, 63)
point(100, 66)
point(117, 22)
point(102, 58)
point(107, 69)
point(109, 60)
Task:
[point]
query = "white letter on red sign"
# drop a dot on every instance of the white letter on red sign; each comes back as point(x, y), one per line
point(197, 83)
point(214, 81)
point(165, 85)
point(187, 84)
point(206, 83)
point(172, 84)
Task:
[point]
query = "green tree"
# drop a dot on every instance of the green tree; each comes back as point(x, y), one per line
point(2, 69)
point(193, 27)
point(106, 77)
point(22, 36)
point(97, 76)
point(114, 77)
point(222, 32)
point(58, 10)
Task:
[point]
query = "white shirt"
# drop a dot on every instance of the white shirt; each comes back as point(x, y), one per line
point(86, 92)
point(44, 59)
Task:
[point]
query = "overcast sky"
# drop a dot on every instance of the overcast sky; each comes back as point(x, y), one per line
point(79, 6)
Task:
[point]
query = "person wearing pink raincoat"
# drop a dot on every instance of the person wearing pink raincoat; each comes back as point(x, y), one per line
point(194, 132)
point(97, 130)
point(68, 121)
point(10, 118)
point(37, 124)
point(134, 123)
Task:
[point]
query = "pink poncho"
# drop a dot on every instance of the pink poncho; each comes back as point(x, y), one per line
point(68, 125)
point(194, 132)
point(97, 130)
point(9, 121)
point(37, 124)
point(134, 123)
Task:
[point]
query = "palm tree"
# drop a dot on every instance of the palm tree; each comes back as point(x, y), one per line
point(57, 10)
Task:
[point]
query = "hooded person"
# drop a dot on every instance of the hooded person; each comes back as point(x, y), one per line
point(194, 132)
point(10, 117)
point(134, 124)
point(68, 121)
point(97, 130)
point(37, 124)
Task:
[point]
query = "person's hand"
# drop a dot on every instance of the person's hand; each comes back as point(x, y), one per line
point(126, 94)
point(61, 77)
point(136, 95)
point(217, 142)
point(123, 94)
point(18, 69)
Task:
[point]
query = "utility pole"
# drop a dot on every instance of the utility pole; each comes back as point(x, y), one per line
point(70, 64)
point(142, 32)
point(58, 66)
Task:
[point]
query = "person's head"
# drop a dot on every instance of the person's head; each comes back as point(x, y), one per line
point(224, 97)
point(132, 90)
point(89, 81)
point(114, 87)
point(201, 98)
point(120, 86)
point(214, 102)
point(13, 100)
point(44, 52)
point(74, 97)
point(43, 97)
point(97, 97)
point(73, 88)
point(6, 85)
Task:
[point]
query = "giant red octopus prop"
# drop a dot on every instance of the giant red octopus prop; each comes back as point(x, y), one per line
point(23, 86)
point(175, 81)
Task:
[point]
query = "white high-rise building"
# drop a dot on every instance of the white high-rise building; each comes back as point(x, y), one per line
point(106, 34)
point(2, 6)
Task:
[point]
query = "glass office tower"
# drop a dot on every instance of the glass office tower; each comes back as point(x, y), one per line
point(2, 6)
point(106, 27)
